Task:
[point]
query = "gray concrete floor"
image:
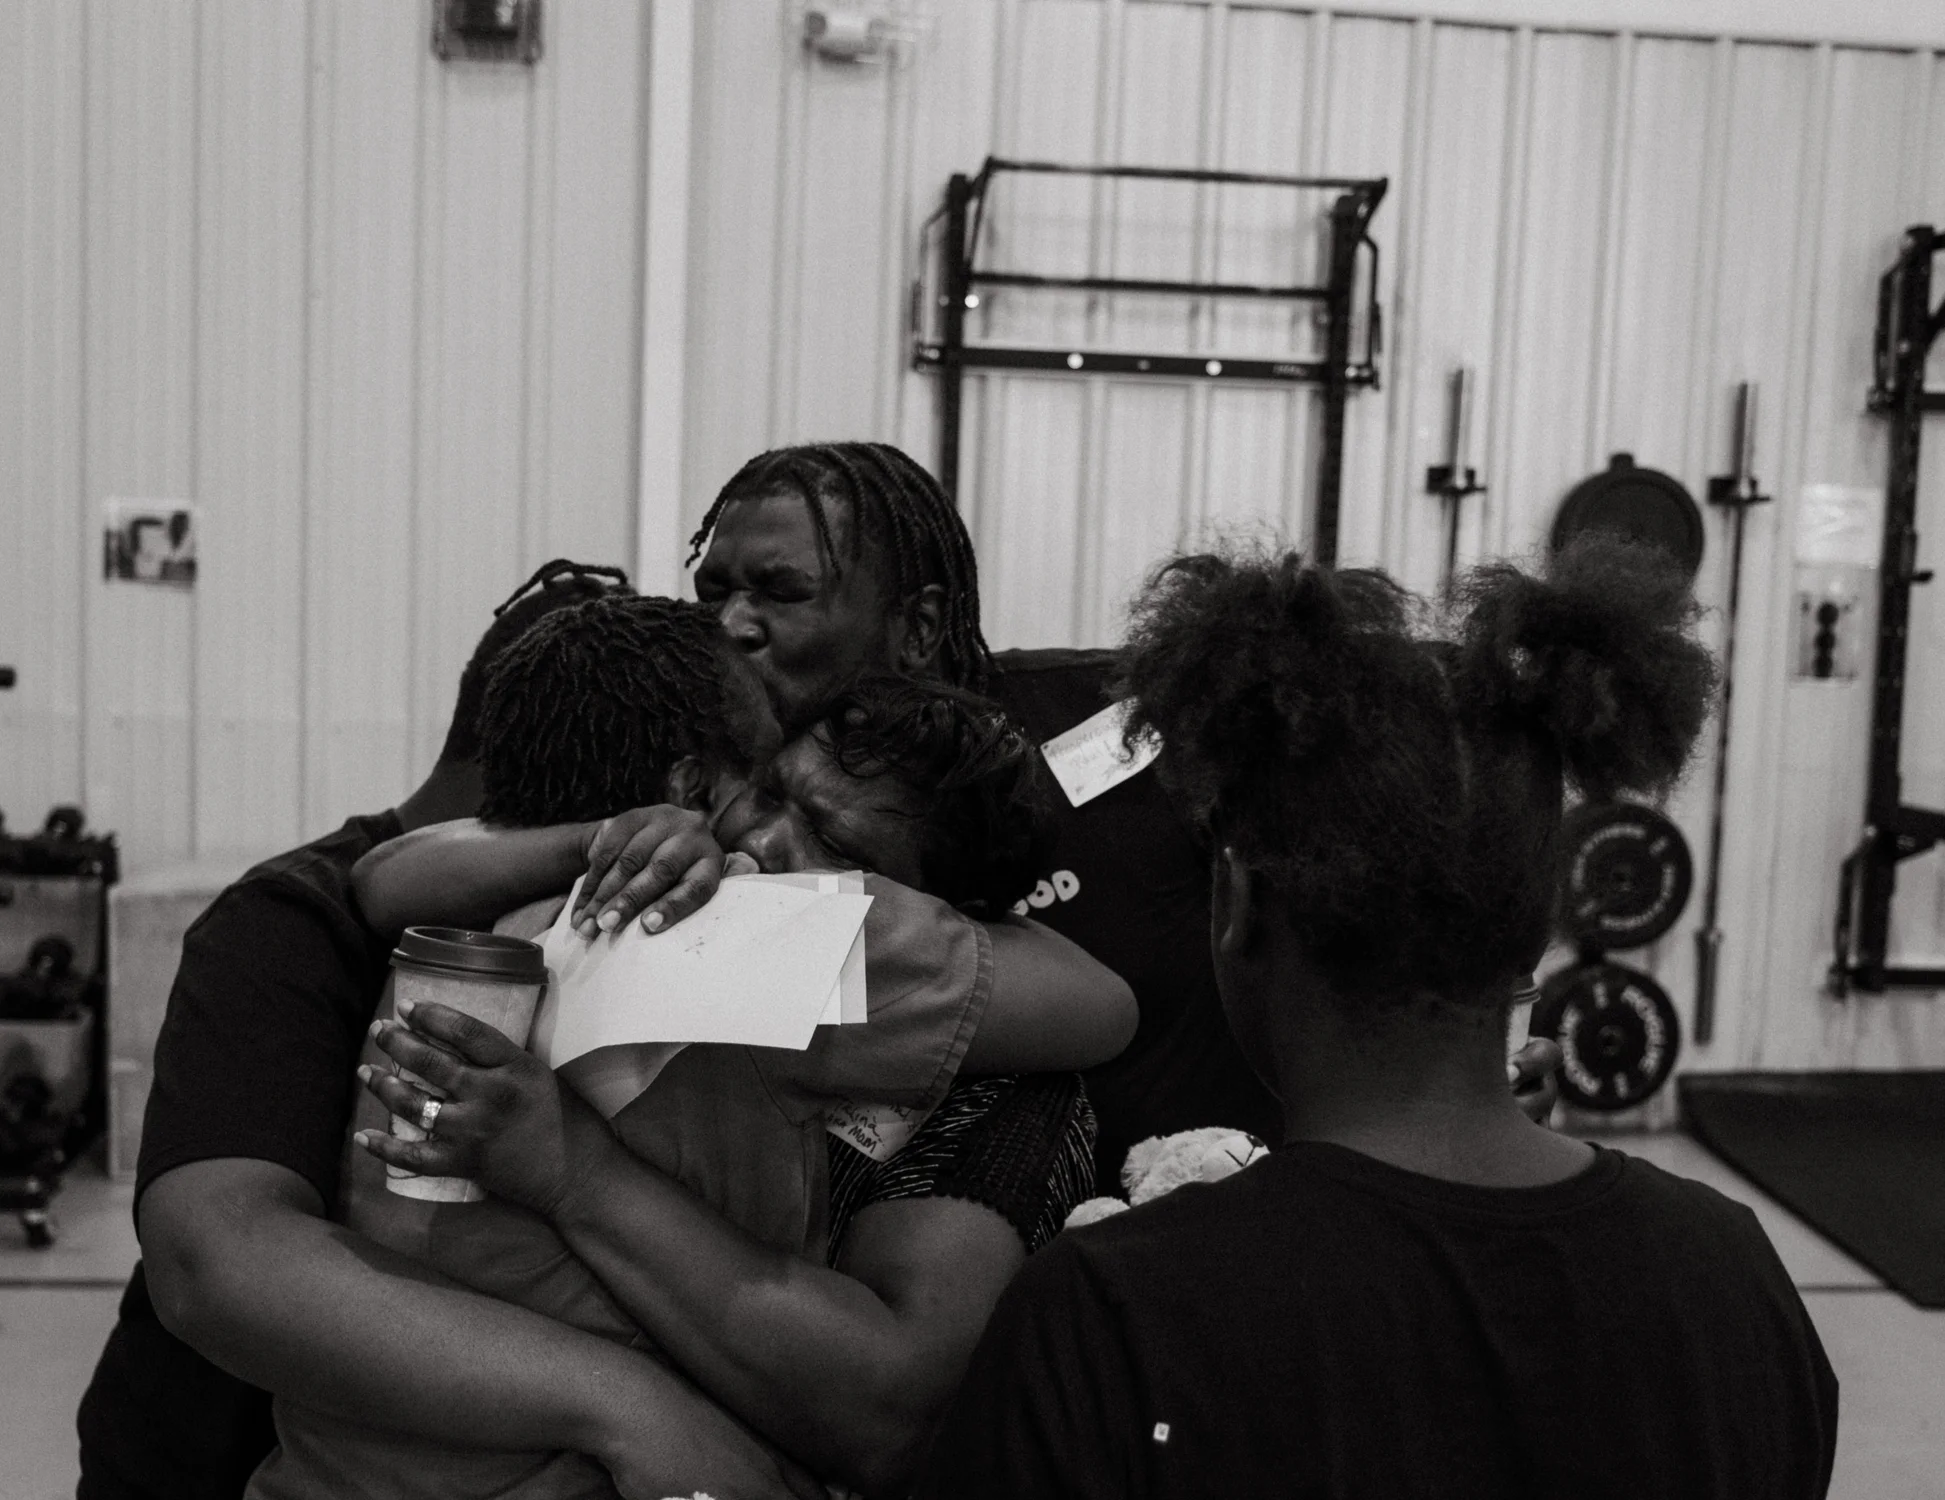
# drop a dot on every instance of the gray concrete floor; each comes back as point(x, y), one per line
point(57, 1305)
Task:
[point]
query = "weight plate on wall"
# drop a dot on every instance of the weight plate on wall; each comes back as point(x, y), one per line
point(1626, 875)
point(1617, 1030)
point(1643, 505)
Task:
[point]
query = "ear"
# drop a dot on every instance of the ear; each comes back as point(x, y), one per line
point(688, 784)
point(1233, 908)
point(922, 629)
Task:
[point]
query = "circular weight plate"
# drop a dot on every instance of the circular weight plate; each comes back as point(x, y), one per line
point(1617, 1031)
point(1643, 505)
point(1626, 874)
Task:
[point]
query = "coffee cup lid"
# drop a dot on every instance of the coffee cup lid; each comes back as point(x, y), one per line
point(476, 955)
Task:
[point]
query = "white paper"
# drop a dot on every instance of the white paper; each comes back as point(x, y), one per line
point(1091, 758)
point(848, 1003)
point(757, 965)
point(1841, 523)
point(880, 1131)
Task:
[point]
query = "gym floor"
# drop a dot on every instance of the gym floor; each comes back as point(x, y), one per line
point(57, 1305)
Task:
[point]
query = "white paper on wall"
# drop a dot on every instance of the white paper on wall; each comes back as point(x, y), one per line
point(1841, 524)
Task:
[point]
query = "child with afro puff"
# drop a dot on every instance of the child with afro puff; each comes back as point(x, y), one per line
point(1419, 1291)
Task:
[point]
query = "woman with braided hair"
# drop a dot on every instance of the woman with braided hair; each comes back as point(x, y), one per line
point(1420, 1292)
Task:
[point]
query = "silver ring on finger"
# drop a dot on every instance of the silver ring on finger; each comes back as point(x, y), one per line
point(429, 1115)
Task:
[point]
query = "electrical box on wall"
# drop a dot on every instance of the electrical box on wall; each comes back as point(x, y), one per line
point(486, 30)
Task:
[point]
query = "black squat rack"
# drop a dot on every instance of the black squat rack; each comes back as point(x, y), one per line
point(1907, 325)
point(939, 343)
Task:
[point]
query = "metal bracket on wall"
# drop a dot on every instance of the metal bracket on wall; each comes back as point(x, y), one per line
point(1906, 326)
point(945, 350)
point(486, 31)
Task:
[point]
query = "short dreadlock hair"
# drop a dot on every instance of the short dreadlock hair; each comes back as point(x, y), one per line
point(902, 509)
point(986, 830)
point(586, 713)
point(554, 585)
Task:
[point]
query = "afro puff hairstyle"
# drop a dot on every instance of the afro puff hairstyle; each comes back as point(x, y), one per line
point(586, 713)
point(1402, 794)
point(987, 829)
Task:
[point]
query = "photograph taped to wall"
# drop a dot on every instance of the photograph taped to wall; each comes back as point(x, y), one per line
point(148, 541)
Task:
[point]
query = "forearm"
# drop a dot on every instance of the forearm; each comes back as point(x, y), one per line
point(289, 1301)
point(813, 1359)
point(465, 873)
point(1054, 1008)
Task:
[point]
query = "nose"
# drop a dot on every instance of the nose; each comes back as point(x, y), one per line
point(742, 621)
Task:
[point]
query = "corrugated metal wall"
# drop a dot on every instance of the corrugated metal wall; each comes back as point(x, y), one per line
point(1611, 229)
point(380, 319)
point(377, 316)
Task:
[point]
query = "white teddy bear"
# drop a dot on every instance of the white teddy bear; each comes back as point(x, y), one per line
point(1163, 1163)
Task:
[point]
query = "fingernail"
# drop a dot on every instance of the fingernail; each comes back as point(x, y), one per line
point(364, 1072)
point(377, 1030)
point(1512, 1073)
point(609, 921)
point(405, 1007)
point(363, 1138)
point(652, 922)
point(588, 930)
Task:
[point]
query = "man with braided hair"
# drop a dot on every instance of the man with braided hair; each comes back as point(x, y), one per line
point(247, 1286)
point(830, 559)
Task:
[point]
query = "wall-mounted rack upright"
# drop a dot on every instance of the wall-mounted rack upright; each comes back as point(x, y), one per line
point(1907, 325)
point(939, 343)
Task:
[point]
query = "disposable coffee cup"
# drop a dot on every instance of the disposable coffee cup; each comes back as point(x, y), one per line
point(484, 975)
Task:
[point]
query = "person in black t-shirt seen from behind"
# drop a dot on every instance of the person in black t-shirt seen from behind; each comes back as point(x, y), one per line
point(245, 1281)
point(1421, 1292)
point(830, 560)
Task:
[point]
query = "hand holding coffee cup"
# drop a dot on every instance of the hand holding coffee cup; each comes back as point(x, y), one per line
point(494, 979)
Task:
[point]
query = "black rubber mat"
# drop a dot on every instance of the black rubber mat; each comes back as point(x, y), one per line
point(1860, 1156)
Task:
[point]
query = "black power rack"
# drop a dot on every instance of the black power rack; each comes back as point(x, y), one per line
point(946, 351)
point(1907, 325)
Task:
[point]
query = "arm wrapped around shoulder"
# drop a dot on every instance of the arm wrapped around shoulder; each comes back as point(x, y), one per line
point(1598, 652)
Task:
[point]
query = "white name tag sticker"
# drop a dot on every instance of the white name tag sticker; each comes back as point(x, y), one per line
point(1091, 758)
point(880, 1131)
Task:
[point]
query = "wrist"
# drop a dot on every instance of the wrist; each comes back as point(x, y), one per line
point(589, 1145)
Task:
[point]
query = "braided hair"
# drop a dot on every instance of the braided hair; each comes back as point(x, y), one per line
point(901, 508)
point(587, 712)
point(554, 585)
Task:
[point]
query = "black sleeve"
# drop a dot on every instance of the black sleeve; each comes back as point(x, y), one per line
point(1049, 1407)
point(256, 1051)
point(1020, 1144)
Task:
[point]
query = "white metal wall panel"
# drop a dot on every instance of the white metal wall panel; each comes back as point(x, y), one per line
point(253, 143)
point(361, 473)
point(375, 316)
point(44, 548)
point(1448, 279)
point(139, 409)
point(1759, 309)
point(587, 306)
point(1563, 231)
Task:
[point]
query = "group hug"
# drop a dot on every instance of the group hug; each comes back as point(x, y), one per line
point(1297, 915)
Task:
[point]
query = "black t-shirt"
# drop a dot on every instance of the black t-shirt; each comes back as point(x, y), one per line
point(1322, 1324)
point(278, 981)
point(1129, 883)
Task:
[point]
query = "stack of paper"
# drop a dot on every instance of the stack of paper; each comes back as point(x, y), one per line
point(764, 963)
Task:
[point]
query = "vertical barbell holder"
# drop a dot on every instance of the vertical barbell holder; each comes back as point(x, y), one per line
point(1735, 491)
